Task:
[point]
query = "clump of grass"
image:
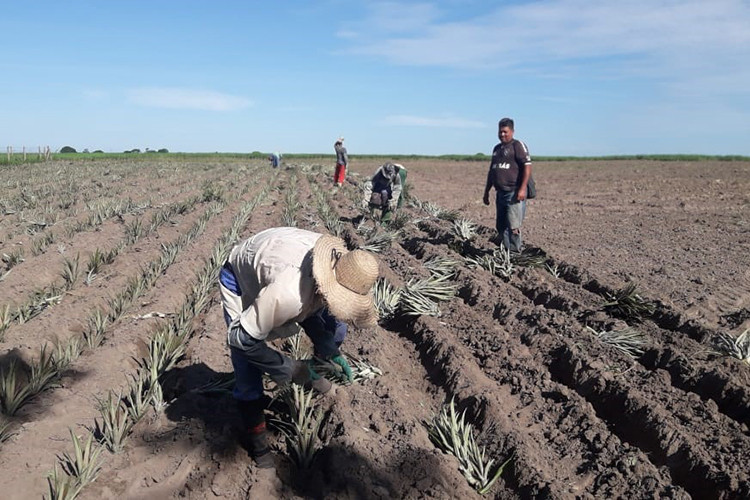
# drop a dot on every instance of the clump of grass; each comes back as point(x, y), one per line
point(96, 261)
point(117, 305)
point(529, 257)
point(138, 397)
point(134, 231)
point(294, 346)
point(364, 229)
point(627, 340)
point(13, 258)
point(62, 486)
point(453, 434)
point(628, 304)
point(6, 318)
point(398, 221)
point(13, 393)
point(40, 244)
point(414, 303)
point(448, 215)
point(84, 463)
point(442, 266)
point(553, 269)
point(6, 431)
point(439, 212)
point(464, 229)
point(94, 334)
point(380, 241)
point(212, 192)
point(38, 302)
point(43, 371)
point(302, 427)
point(436, 288)
point(115, 424)
point(738, 347)
point(386, 298)
point(498, 262)
point(66, 352)
point(70, 272)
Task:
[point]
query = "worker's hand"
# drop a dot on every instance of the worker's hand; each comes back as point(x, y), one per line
point(392, 204)
point(341, 361)
point(521, 194)
point(486, 199)
point(301, 372)
point(313, 374)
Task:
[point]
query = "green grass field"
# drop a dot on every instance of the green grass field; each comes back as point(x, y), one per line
point(17, 158)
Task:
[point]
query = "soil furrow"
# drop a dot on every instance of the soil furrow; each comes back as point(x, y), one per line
point(93, 373)
point(577, 433)
point(673, 353)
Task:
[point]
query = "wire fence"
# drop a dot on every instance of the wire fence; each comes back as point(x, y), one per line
point(23, 154)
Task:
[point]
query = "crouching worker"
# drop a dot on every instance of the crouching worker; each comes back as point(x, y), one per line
point(383, 192)
point(275, 159)
point(279, 278)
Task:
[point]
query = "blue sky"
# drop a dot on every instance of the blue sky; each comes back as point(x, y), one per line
point(579, 77)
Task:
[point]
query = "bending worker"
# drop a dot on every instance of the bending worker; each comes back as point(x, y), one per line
point(384, 191)
point(277, 279)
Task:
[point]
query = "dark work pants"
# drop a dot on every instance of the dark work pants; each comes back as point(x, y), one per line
point(255, 357)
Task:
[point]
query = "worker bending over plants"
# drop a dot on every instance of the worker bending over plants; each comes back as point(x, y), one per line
point(384, 191)
point(271, 283)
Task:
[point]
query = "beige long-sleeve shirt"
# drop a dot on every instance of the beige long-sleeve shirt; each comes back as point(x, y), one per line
point(274, 272)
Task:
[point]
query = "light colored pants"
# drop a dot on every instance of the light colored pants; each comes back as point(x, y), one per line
point(509, 219)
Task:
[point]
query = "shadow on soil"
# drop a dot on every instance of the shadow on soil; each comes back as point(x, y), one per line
point(338, 471)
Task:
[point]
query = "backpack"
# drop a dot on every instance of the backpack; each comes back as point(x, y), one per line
point(530, 189)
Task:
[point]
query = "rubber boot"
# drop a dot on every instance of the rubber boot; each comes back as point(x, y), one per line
point(254, 422)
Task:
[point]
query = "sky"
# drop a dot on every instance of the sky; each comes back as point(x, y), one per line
point(580, 78)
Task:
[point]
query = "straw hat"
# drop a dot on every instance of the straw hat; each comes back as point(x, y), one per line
point(344, 280)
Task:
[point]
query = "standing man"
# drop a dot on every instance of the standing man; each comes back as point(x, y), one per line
point(271, 283)
point(509, 174)
point(342, 161)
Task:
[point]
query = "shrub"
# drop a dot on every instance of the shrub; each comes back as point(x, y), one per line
point(68, 149)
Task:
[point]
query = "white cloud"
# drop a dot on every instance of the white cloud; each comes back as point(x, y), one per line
point(422, 121)
point(654, 35)
point(180, 98)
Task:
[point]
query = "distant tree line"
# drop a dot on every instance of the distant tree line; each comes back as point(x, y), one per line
point(70, 149)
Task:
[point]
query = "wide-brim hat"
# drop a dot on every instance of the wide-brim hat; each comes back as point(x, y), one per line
point(344, 279)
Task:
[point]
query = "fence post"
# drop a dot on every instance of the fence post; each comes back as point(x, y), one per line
point(10, 152)
point(24, 154)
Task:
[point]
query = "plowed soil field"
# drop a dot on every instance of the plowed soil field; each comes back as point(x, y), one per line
point(520, 354)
